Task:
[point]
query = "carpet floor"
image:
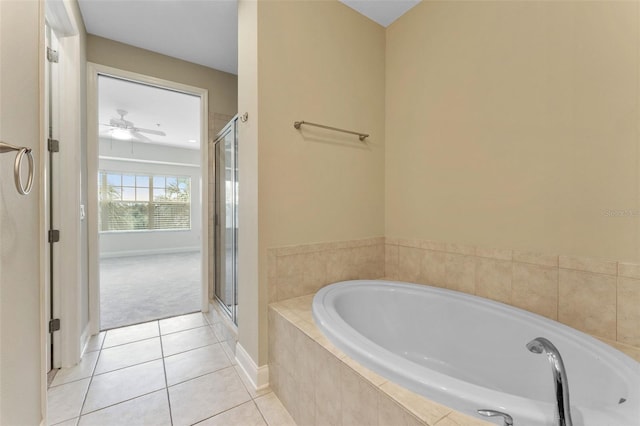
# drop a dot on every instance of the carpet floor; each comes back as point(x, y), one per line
point(138, 289)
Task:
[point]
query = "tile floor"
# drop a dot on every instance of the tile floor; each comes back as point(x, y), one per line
point(175, 371)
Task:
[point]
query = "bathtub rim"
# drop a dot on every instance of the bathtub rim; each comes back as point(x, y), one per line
point(394, 367)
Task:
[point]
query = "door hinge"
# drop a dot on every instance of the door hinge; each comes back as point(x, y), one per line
point(54, 236)
point(52, 55)
point(53, 145)
point(54, 325)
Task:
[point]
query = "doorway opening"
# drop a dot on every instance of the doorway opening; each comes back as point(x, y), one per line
point(149, 179)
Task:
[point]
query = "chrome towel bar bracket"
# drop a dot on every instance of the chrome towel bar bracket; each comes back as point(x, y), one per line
point(361, 136)
point(17, 166)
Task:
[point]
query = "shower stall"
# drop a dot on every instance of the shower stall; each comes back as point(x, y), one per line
point(225, 218)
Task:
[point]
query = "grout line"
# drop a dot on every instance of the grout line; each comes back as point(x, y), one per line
point(121, 402)
point(147, 321)
point(128, 366)
point(199, 376)
point(166, 385)
point(133, 341)
point(93, 371)
point(222, 412)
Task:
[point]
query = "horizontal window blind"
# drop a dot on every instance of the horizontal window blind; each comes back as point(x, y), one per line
point(132, 202)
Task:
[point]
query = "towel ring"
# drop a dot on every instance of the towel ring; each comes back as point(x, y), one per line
point(17, 166)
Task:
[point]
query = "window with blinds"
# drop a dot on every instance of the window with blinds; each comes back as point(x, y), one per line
point(136, 202)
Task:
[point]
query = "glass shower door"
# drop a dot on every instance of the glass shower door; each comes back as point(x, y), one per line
point(226, 218)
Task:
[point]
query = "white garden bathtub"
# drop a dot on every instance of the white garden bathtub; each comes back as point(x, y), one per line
point(469, 353)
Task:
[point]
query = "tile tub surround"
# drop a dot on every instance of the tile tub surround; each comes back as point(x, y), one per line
point(595, 296)
point(299, 270)
point(319, 385)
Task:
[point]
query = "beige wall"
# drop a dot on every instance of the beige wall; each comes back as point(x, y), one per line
point(320, 62)
point(222, 86)
point(515, 125)
point(20, 290)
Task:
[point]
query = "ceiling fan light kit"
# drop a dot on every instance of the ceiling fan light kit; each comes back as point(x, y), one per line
point(125, 130)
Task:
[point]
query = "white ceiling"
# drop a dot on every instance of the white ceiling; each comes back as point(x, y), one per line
point(176, 114)
point(384, 12)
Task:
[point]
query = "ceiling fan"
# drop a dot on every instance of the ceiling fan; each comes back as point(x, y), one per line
point(125, 130)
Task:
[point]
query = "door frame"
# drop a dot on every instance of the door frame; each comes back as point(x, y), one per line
point(93, 71)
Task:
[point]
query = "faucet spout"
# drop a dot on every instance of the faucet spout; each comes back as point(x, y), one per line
point(541, 345)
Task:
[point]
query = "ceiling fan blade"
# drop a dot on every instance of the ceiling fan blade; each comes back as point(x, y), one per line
point(119, 122)
point(150, 131)
point(140, 137)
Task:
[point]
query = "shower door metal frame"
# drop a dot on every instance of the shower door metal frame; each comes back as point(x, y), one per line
point(230, 308)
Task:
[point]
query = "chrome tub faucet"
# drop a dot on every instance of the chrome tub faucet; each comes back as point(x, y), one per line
point(563, 411)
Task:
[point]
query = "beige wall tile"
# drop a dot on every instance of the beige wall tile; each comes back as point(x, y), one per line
point(288, 395)
point(314, 275)
point(327, 374)
point(629, 311)
point(629, 270)
point(370, 376)
point(424, 409)
point(272, 263)
point(289, 286)
point(274, 377)
point(431, 245)
point(460, 249)
point(392, 414)
point(433, 268)
point(493, 279)
point(409, 259)
point(305, 350)
point(588, 264)
point(410, 242)
point(631, 351)
point(459, 419)
point(339, 266)
point(359, 398)
point(535, 288)
point(306, 413)
point(460, 273)
point(272, 288)
point(588, 302)
point(494, 253)
point(541, 259)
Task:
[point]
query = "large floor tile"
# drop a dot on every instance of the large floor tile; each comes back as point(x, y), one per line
point(71, 422)
point(186, 340)
point(246, 415)
point(128, 355)
point(133, 333)
point(194, 363)
point(83, 370)
point(147, 410)
point(65, 401)
point(206, 396)
point(183, 322)
point(121, 385)
point(273, 411)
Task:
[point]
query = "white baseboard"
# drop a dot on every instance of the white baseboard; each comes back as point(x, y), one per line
point(257, 376)
point(84, 339)
point(127, 253)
